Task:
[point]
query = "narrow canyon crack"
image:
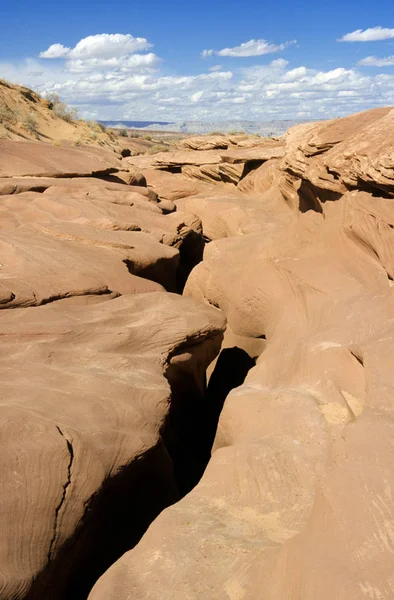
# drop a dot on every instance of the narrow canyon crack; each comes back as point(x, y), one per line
point(66, 485)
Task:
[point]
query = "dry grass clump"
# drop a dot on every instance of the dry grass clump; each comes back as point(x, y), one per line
point(30, 123)
point(96, 127)
point(157, 148)
point(10, 117)
point(7, 116)
point(60, 109)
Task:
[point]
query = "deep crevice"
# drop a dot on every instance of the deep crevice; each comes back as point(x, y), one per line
point(119, 513)
point(114, 520)
point(194, 413)
point(190, 255)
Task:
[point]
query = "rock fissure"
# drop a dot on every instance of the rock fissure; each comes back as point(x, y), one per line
point(62, 500)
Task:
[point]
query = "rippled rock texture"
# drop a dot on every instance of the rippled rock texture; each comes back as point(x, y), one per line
point(124, 475)
point(296, 501)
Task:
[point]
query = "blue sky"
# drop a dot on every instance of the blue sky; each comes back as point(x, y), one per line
point(145, 59)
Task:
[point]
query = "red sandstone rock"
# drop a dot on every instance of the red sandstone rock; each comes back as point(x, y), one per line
point(85, 401)
point(296, 500)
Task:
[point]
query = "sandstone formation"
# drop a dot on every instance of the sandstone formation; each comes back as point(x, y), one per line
point(85, 419)
point(97, 364)
point(217, 159)
point(197, 367)
point(296, 501)
point(29, 159)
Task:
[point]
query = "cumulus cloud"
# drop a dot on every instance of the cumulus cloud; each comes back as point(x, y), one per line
point(279, 62)
point(104, 51)
point(373, 34)
point(254, 48)
point(126, 83)
point(124, 63)
point(102, 45)
point(55, 51)
point(374, 61)
point(250, 48)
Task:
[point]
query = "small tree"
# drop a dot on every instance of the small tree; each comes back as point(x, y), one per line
point(123, 132)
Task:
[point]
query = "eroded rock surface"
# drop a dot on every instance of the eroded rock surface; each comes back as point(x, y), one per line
point(106, 417)
point(98, 362)
point(296, 501)
point(85, 420)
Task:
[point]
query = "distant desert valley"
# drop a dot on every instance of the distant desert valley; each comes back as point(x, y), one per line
point(197, 358)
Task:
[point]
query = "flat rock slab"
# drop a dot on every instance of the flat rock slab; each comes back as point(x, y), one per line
point(37, 159)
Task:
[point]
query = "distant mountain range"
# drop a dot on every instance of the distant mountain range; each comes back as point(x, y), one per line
point(265, 128)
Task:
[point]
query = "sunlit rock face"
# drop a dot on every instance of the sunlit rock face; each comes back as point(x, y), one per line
point(197, 367)
point(296, 501)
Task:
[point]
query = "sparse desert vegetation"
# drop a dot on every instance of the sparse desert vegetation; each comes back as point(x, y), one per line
point(60, 108)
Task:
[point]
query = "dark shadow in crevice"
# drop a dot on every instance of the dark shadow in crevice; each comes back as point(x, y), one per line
point(114, 521)
point(230, 372)
point(250, 166)
point(190, 255)
point(194, 416)
point(162, 271)
point(173, 169)
point(312, 197)
point(374, 189)
point(117, 516)
point(358, 357)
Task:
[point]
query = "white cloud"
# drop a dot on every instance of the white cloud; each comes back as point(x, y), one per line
point(279, 62)
point(124, 63)
point(374, 61)
point(102, 45)
point(373, 34)
point(206, 53)
point(118, 85)
point(253, 48)
point(215, 68)
point(296, 74)
point(55, 51)
point(105, 51)
point(197, 96)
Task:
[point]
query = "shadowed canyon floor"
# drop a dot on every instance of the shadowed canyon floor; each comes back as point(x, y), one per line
point(126, 282)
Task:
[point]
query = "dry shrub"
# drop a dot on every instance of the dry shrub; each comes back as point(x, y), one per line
point(60, 109)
